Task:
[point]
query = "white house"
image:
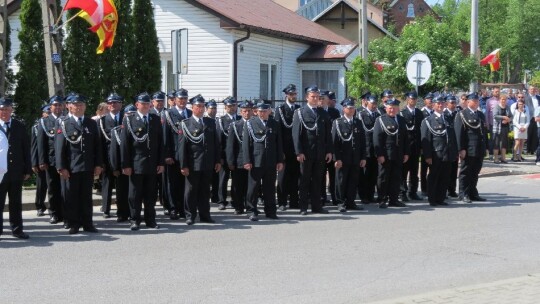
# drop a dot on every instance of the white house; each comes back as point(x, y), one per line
point(274, 46)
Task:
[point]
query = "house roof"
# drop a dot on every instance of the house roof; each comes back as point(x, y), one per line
point(327, 53)
point(269, 18)
point(356, 8)
point(13, 5)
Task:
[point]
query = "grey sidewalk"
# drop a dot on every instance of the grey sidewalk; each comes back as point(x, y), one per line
point(521, 290)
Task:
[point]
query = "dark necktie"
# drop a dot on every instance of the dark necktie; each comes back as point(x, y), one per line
point(80, 121)
point(116, 122)
point(8, 127)
point(145, 119)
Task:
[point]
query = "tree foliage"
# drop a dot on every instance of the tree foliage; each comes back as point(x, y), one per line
point(146, 71)
point(450, 67)
point(31, 81)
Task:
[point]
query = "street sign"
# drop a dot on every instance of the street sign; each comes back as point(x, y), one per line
point(418, 69)
point(56, 59)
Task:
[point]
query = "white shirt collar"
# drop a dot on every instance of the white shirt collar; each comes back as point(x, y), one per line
point(289, 104)
point(141, 115)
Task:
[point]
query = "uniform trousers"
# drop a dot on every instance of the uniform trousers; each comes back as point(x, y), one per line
point(347, 181)
point(268, 178)
point(438, 179)
point(197, 194)
point(367, 179)
point(389, 179)
point(122, 201)
point(108, 182)
point(468, 176)
point(41, 190)
point(139, 195)
point(13, 189)
point(453, 176)
point(55, 191)
point(224, 176)
point(215, 188)
point(310, 183)
point(175, 189)
point(162, 190)
point(78, 203)
point(410, 169)
point(329, 167)
point(288, 179)
point(423, 174)
point(240, 184)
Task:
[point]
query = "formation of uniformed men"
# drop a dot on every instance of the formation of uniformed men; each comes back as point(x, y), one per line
point(180, 153)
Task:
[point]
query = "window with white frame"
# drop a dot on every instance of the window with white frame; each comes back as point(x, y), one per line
point(268, 79)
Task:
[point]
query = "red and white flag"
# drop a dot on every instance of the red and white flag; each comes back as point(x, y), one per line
point(492, 59)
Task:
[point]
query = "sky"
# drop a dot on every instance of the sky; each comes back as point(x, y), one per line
point(432, 2)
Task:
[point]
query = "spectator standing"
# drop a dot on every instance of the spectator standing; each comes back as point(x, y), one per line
point(521, 124)
point(532, 101)
point(501, 127)
point(491, 104)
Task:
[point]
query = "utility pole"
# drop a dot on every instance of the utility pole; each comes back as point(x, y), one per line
point(474, 40)
point(53, 55)
point(362, 30)
point(3, 44)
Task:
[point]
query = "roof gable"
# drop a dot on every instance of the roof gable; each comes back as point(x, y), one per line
point(270, 18)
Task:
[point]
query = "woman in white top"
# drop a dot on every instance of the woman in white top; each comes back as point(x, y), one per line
point(521, 123)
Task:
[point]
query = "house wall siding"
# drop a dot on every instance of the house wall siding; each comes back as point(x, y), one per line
point(15, 25)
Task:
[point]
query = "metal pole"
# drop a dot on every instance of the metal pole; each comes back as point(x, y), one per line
point(3, 44)
point(362, 30)
point(474, 40)
point(53, 55)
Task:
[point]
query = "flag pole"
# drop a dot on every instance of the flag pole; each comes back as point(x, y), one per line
point(67, 21)
point(61, 14)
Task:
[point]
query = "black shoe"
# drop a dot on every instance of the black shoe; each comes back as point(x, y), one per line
point(106, 215)
point(415, 197)
point(397, 204)
point(453, 194)
point(443, 203)
point(320, 211)
point(166, 212)
point(221, 207)
point(152, 225)
point(121, 219)
point(208, 220)
point(342, 209)
point(303, 212)
point(253, 218)
point(466, 200)
point(90, 229)
point(134, 226)
point(190, 222)
point(54, 220)
point(74, 230)
point(272, 216)
point(40, 212)
point(404, 198)
point(20, 235)
point(282, 208)
point(433, 204)
point(66, 225)
point(477, 199)
point(238, 212)
point(383, 205)
point(173, 215)
point(355, 207)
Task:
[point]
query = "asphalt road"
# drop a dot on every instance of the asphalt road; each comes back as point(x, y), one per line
point(355, 257)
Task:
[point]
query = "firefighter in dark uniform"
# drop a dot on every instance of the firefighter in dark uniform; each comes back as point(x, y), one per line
point(470, 126)
point(288, 178)
point(235, 159)
point(47, 159)
point(79, 157)
point(311, 132)
point(440, 150)
point(450, 113)
point(175, 182)
point(199, 155)
point(368, 175)
point(363, 103)
point(142, 156)
point(211, 112)
point(391, 144)
point(19, 167)
point(262, 153)
point(158, 107)
point(105, 124)
point(426, 111)
point(385, 96)
point(41, 176)
point(349, 142)
point(324, 101)
point(122, 180)
point(413, 120)
point(223, 123)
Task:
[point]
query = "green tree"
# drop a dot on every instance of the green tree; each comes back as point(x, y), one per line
point(9, 81)
point(117, 61)
point(450, 67)
point(82, 71)
point(31, 82)
point(146, 71)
